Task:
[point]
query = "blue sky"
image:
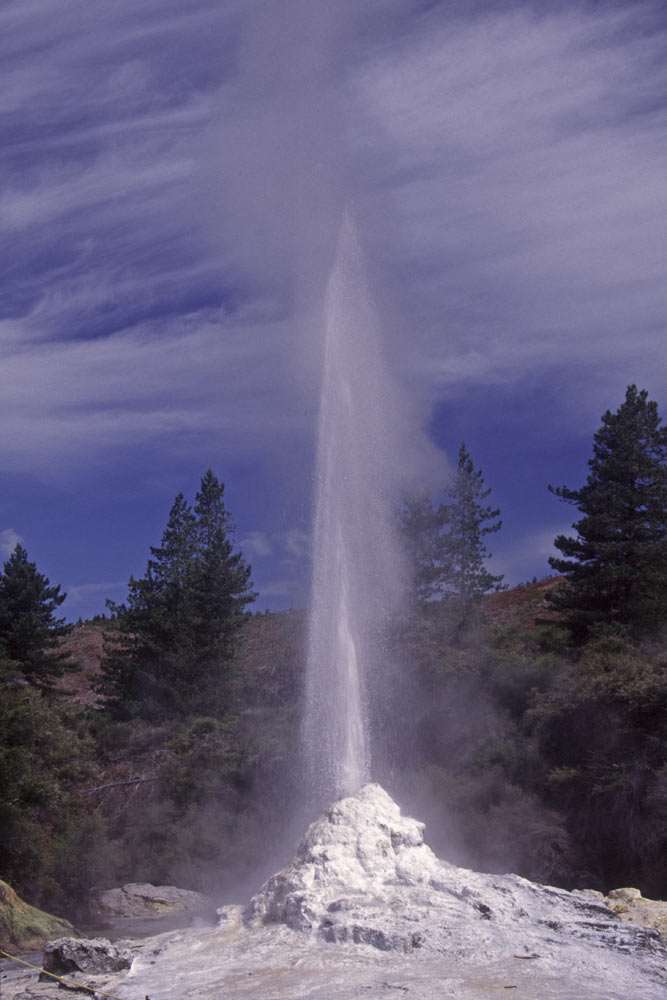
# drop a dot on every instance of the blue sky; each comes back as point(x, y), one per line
point(172, 179)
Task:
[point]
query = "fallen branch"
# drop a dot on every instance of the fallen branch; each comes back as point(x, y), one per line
point(118, 784)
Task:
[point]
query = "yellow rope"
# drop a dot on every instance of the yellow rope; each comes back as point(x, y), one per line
point(60, 979)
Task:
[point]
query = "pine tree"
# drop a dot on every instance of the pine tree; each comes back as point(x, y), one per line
point(176, 632)
point(220, 585)
point(468, 521)
point(29, 631)
point(144, 654)
point(446, 543)
point(616, 566)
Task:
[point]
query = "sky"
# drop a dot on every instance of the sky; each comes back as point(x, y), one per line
point(172, 180)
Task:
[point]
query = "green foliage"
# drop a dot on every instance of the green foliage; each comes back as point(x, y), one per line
point(602, 733)
point(205, 760)
point(446, 543)
point(493, 824)
point(616, 566)
point(29, 631)
point(515, 680)
point(44, 759)
point(180, 802)
point(88, 800)
point(24, 927)
point(169, 653)
point(468, 521)
point(536, 762)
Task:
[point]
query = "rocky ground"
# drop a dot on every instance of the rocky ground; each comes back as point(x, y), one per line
point(367, 910)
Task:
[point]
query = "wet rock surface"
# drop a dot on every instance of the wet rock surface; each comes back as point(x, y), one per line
point(367, 910)
point(92, 955)
point(84, 965)
point(141, 899)
point(141, 910)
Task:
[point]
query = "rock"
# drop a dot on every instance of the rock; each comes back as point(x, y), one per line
point(363, 875)
point(24, 927)
point(141, 899)
point(625, 894)
point(228, 915)
point(631, 906)
point(90, 955)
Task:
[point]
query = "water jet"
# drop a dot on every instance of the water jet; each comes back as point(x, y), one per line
point(356, 575)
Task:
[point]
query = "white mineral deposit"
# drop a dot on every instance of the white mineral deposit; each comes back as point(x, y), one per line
point(367, 910)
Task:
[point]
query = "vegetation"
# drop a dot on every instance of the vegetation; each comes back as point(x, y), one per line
point(616, 567)
point(30, 633)
point(173, 640)
point(545, 741)
point(447, 543)
point(468, 521)
point(23, 926)
point(51, 847)
point(601, 734)
point(549, 761)
point(530, 734)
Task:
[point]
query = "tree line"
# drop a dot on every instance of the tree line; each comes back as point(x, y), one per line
point(176, 630)
point(542, 746)
point(614, 567)
point(165, 721)
point(578, 720)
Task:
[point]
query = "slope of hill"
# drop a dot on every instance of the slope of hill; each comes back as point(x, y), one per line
point(271, 648)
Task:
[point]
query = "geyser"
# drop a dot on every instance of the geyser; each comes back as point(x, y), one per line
point(356, 575)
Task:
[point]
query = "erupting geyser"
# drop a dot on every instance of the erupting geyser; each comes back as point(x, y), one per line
point(366, 907)
point(355, 563)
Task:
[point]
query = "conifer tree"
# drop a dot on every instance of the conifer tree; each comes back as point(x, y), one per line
point(446, 543)
point(468, 520)
point(29, 631)
point(177, 630)
point(616, 566)
point(220, 582)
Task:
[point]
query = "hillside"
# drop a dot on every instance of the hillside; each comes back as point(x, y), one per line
point(269, 646)
point(522, 605)
point(272, 646)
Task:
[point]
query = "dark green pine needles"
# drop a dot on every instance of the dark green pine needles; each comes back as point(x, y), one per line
point(175, 637)
point(616, 566)
point(30, 633)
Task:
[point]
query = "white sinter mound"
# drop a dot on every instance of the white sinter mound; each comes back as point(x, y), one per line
point(367, 910)
point(363, 874)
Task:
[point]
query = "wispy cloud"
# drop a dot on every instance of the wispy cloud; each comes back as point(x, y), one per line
point(80, 594)
point(256, 543)
point(284, 588)
point(9, 539)
point(66, 401)
point(296, 543)
point(527, 178)
point(528, 555)
point(166, 173)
